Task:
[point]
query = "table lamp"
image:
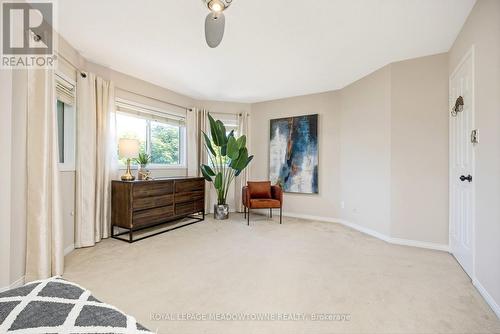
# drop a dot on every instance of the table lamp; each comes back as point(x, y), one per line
point(129, 149)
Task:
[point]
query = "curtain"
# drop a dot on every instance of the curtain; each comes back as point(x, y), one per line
point(196, 122)
point(203, 125)
point(193, 140)
point(96, 161)
point(241, 180)
point(44, 230)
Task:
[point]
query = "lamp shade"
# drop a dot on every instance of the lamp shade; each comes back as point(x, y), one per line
point(128, 148)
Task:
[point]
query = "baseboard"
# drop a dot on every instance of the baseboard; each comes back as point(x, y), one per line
point(366, 230)
point(420, 244)
point(373, 233)
point(489, 299)
point(69, 249)
point(17, 283)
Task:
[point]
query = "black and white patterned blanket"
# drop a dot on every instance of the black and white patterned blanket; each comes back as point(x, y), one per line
point(58, 306)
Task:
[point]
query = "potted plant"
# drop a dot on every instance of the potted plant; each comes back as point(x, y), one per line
point(228, 158)
point(143, 160)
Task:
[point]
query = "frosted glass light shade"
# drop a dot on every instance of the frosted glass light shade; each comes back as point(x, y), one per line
point(128, 148)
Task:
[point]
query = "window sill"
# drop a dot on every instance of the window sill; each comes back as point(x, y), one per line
point(155, 167)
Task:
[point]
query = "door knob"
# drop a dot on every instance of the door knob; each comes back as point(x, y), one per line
point(468, 178)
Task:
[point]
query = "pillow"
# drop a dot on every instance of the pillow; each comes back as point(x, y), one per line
point(54, 305)
point(260, 189)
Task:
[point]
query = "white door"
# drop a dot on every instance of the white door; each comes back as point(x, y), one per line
point(462, 164)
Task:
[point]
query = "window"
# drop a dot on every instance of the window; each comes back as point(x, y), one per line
point(165, 144)
point(66, 122)
point(231, 124)
point(161, 135)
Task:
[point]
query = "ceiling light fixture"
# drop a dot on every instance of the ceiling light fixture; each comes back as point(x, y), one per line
point(216, 6)
point(215, 21)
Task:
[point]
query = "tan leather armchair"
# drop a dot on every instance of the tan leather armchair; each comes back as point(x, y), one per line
point(262, 195)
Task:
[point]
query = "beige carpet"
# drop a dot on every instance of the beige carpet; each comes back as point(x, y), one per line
point(298, 269)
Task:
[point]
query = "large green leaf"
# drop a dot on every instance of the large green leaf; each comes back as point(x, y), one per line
point(242, 141)
point(239, 164)
point(217, 135)
point(208, 170)
point(246, 165)
point(205, 174)
point(222, 132)
point(232, 148)
point(208, 143)
point(218, 181)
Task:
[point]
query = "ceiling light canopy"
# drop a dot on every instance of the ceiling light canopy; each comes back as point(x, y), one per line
point(215, 21)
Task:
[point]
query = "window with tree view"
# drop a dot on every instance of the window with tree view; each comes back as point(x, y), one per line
point(163, 142)
point(231, 124)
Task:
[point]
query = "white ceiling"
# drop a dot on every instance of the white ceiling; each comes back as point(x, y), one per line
point(271, 49)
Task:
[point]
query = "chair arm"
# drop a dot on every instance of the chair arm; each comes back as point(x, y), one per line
point(277, 193)
point(245, 196)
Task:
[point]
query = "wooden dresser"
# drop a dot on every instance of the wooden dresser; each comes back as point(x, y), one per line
point(137, 205)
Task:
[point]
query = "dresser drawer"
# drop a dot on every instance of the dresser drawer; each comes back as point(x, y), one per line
point(199, 205)
point(157, 215)
point(189, 185)
point(153, 202)
point(184, 208)
point(188, 197)
point(145, 189)
point(189, 207)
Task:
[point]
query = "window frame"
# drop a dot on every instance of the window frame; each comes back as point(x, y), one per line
point(69, 126)
point(155, 166)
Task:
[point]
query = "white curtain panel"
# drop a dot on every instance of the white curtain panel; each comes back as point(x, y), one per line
point(96, 162)
point(193, 139)
point(44, 230)
point(241, 180)
point(203, 125)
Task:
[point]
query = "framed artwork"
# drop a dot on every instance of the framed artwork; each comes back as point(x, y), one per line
point(293, 153)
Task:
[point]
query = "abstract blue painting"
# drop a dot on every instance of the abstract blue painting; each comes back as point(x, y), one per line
point(293, 160)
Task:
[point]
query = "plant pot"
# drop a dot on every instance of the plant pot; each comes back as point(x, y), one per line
point(221, 212)
point(142, 173)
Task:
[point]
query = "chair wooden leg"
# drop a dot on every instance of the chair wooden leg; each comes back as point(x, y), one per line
point(281, 215)
point(248, 217)
point(271, 213)
point(245, 211)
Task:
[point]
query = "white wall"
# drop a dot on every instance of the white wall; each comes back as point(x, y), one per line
point(365, 173)
point(419, 149)
point(372, 137)
point(482, 29)
point(327, 105)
